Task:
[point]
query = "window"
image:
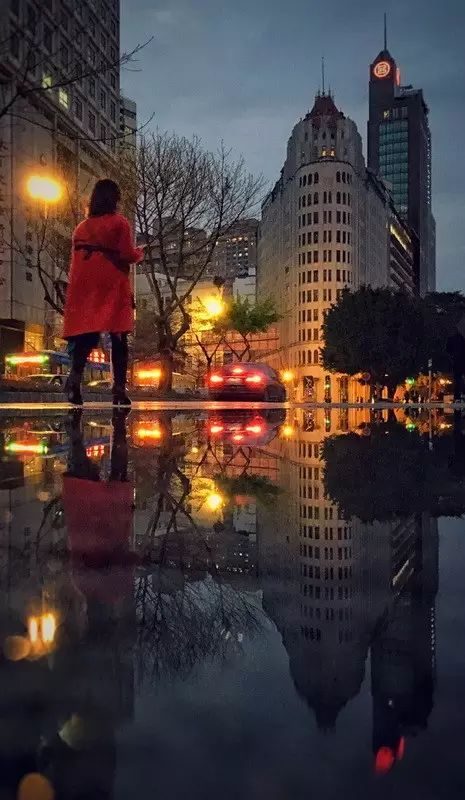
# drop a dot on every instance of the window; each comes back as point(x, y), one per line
point(315, 277)
point(14, 45)
point(46, 81)
point(315, 256)
point(63, 98)
point(29, 276)
point(78, 109)
point(315, 217)
point(91, 121)
point(92, 87)
point(48, 38)
point(315, 237)
point(338, 177)
point(315, 295)
point(338, 198)
point(31, 18)
point(304, 180)
point(338, 256)
point(316, 178)
point(315, 198)
point(338, 274)
point(338, 217)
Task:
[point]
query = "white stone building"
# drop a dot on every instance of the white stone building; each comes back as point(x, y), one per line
point(324, 228)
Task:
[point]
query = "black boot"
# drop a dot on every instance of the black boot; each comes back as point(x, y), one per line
point(73, 389)
point(120, 397)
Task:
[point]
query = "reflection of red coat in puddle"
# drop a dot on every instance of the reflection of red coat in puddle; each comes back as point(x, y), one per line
point(99, 523)
point(99, 296)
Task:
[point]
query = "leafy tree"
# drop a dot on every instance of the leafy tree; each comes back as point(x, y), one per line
point(246, 319)
point(375, 331)
point(443, 311)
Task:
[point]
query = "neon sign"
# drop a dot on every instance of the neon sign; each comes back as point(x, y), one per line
point(382, 69)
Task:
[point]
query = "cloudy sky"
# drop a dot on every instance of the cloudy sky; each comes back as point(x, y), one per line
point(246, 70)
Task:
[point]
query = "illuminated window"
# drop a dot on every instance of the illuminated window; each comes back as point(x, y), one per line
point(46, 81)
point(63, 98)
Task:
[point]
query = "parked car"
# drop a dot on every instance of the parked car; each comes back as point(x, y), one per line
point(245, 427)
point(248, 381)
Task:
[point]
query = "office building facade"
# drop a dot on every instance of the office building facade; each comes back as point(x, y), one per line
point(399, 150)
point(235, 254)
point(324, 229)
point(66, 127)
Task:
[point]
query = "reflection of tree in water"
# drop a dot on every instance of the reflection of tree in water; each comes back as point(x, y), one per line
point(186, 613)
point(394, 472)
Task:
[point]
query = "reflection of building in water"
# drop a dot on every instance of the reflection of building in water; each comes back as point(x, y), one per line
point(329, 582)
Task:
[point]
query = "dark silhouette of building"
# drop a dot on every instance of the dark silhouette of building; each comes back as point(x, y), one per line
point(399, 150)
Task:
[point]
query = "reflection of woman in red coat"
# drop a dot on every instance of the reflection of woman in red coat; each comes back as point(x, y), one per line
point(99, 297)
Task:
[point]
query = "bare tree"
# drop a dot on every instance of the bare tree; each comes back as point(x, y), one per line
point(186, 198)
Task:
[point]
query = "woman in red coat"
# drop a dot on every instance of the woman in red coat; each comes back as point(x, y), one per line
point(99, 297)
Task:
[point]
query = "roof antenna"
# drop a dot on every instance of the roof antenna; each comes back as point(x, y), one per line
point(323, 74)
point(385, 31)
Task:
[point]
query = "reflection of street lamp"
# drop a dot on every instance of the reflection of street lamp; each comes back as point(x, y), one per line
point(41, 187)
point(287, 431)
point(214, 501)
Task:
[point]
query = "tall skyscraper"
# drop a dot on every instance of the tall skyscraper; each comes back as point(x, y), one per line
point(324, 229)
point(399, 150)
point(64, 124)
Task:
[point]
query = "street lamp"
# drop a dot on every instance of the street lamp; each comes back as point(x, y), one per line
point(42, 187)
point(287, 376)
point(214, 306)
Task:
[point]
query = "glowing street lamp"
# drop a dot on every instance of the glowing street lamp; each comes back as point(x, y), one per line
point(46, 189)
point(214, 306)
point(214, 501)
point(287, 376)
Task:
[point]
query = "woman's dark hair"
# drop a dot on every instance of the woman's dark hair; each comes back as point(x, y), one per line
point(104, 198)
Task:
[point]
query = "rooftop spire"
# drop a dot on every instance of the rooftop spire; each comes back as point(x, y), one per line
point(323, 74)
point(385, 31)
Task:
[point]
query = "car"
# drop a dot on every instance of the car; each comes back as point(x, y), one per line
point(248, 381)
point(44, 379)
point(242, 428)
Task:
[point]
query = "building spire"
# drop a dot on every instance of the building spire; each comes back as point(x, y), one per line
point(385, 31)
point(323, 74)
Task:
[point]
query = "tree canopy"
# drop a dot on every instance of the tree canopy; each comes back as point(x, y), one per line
point(246, 318)
point(376, 331)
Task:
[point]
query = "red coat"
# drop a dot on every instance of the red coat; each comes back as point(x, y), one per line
point(99, 297)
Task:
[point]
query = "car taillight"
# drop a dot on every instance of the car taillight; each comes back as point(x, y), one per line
point(238, 437)
point(216, 428)
point(238, 371)
point(254, 379)
point(216, 379)
point(254, 428)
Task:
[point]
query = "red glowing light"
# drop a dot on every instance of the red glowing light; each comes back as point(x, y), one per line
point(238, 371)
point(254, 379)
point(238, 437)
point(216, 379)
point(254, 429)
point(382, 69)
point(216, 428)
point(384, 760)
point(401, 748)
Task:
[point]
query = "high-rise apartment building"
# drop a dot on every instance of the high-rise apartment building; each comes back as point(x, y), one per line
point(235, 254)
point(399, 150)
point(65, 125)
point(324, 228)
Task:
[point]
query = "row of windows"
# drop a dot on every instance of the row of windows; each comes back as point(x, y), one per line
point(344, 614)
point(314, 634)
point(342, 217)
point(311, 532)
point(396, 163)
point(311, 551)
point(305, 335)
point(342, 237)
point(65, 18)
point(313, 512)
point(342, 198)
point(308, 590)
point(308, 180)
point(309, 450)
point(345, 177)
point(394, 125)
point(342, 257)
point(307, 357)
point(308, 315)
point(309, 492)
point(310, 472)
point(314, 276)
point(400, 151)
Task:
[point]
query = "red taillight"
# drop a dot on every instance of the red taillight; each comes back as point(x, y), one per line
point(216, 379)
point(216, 428)
point(254, 379)
point(384, 760)
point(254, 428)
point(238, 371)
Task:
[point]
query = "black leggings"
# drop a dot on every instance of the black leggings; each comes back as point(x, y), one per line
point(80, 347)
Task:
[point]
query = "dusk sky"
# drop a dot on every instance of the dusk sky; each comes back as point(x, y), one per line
point(246, 70)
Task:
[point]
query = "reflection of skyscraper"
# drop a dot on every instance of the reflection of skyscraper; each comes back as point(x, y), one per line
point(403, 654)
point(330, 584)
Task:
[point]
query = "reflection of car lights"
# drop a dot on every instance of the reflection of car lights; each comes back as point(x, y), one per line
point(254, 429)
point(238, 370)
point(149, 433)
point(144, 374)
point(238, 437)
point(216, 379)
point(216, 428)
point(254, 379)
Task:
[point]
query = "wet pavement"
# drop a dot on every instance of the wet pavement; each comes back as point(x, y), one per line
point(243, 603)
